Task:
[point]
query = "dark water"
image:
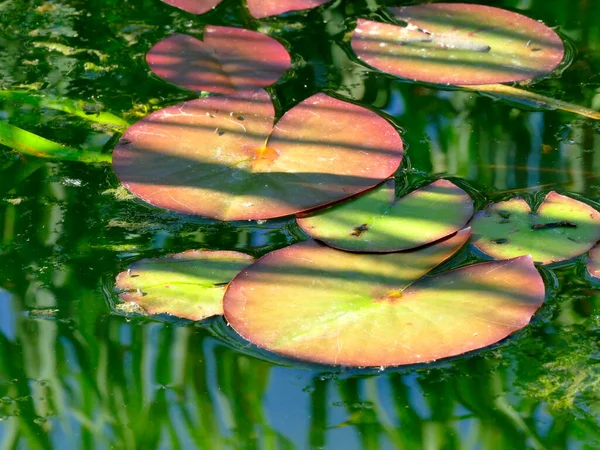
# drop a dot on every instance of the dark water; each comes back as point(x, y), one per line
point(77, 373)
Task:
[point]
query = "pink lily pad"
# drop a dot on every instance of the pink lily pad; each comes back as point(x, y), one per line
point(560, 229)
point(459, 44)
point(318, 304)
point(189, 285)
point(376, 222)
point(265, 8)
point(227, 61)
point(593, 264)
point(221, 157)
point(194, 6)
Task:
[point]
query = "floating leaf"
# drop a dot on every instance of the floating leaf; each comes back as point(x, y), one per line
point(194, 6)
point(375, 222)
point(458, 43)
point(265, 8)
point(319, 304)
point(560, 229)
point(189, 285)
point(228, 60)
point(593, 264)
point(212, 157)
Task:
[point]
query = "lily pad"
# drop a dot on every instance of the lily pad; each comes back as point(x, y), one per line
point(459, 44)
point(194, 6)
point(265, 8)
point(323, 305)
point(375, 222)
point(593, 264)
point(228, 60)
point(560, 229)
point(221, 157)
point(189, 285)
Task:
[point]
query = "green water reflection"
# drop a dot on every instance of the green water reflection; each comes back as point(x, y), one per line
point(75, 373)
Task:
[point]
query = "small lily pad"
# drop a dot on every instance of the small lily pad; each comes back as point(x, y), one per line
point(189, 285)
point(560, 229)
point(227, 61)
point(374, 222)
point(593, 264)
point(319, 304)
point(223, 158)
point(265, 8)
point(194, 6)
point(459, 44)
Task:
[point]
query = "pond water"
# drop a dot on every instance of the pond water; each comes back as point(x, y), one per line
point(78, 372)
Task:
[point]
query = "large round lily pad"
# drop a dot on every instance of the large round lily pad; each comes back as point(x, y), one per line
point(194, 6)
point(188, 285)
point(593, 264)
point(374, 222)
point(459, 43)
point(228, 60)
point(560, 229)
point(211, 156)
point(319, 304)
point(265, 8)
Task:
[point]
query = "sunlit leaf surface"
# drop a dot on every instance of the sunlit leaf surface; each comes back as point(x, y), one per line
point(456, 43)
point(211, 156)
point(375, 222)
point(319, 304)
point(226, 61)
point(265, 8)
point(560, 229)
point(593, 264)
point(189, 285)
point(194, 6)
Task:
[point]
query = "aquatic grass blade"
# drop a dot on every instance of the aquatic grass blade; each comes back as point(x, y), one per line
point(531, 99)
point(87, 111)
point(34, 145)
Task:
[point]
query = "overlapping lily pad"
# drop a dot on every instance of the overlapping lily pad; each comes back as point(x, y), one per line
point(375, 222)
point(265, 8)
point(593, 264)
point(228, 60)
point(189, 285)
point(194, 6)
point(459, 44)
point(258, 8)
point(221, 157)
point(560, 229)
point(319, 304)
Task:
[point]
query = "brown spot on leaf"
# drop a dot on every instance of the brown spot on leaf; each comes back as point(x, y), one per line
point(359, 230)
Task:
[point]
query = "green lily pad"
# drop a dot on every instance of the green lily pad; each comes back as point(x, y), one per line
point(560, 229)
point(593, 264)
point(375, 222)
point(459, 43)
point(319, 304)
point(189, 285)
